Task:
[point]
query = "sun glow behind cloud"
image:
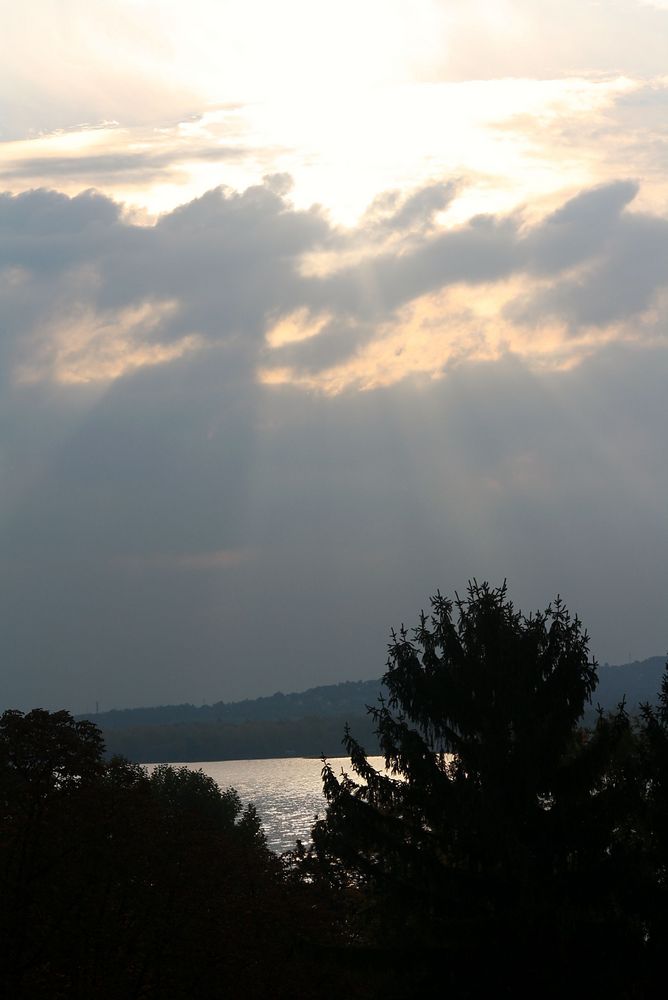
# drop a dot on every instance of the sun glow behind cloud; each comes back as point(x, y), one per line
point(86, 347)
point(436, 332)
point(350, 99)
point(247, 51)
point(343, 149)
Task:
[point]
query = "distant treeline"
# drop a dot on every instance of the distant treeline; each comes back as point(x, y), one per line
point(303, 724)
point(201, 741)
point(350, 697)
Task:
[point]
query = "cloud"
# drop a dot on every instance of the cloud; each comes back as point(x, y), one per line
point(535, 38)
point(212, 269)
point(590, 265)
point(162, 505)
point(221, 559)
point(626, 257)
point(396, 212)
point(183, 531)
point(578, 230)
point(89, 294)
point(87, 62)
point(239, 440)
point(137, 166)
point(47, 213)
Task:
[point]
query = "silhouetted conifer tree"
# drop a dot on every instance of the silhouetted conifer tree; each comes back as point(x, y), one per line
point(491, 834)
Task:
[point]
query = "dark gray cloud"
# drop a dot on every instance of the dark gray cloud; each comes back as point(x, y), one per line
point(626, 254)
point(182, 532)
point(580, 229)
point(230, 263)
point(484, 249)
point(621, 257)
point(224, 262)
point(40, 214)
point(489, 248)
point(345, 513)
point(396, 211)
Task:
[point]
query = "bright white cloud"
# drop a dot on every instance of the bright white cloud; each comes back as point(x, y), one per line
point(515, 141)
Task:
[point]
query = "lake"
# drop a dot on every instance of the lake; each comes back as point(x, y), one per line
point(287, 792)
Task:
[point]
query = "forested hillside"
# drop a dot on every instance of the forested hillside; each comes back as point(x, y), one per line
point(184, 742)
point(304, 724)
point(350, 697)
point(638, 682)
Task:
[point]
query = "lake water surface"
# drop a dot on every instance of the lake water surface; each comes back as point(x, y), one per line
point(287, 792)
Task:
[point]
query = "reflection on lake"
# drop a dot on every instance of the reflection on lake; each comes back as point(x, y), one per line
point(287, 792)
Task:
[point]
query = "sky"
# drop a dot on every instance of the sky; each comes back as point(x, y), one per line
point(309, 310)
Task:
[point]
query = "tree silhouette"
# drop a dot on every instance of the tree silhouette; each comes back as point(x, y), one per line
point(491, 830)
point(115, 883)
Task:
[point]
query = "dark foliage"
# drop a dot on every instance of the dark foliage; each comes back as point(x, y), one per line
point(505, 843)
point(305, 724)
point(117, 884)
point(506, 849)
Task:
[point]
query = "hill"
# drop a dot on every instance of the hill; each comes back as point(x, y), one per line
point(638, 682)
point(307, 724)
point(329, 700)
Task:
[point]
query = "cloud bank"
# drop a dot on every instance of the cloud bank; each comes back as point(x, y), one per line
point(199, 502)
point(88, 293)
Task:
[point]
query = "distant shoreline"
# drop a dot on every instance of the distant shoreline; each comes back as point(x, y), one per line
point(308, 724)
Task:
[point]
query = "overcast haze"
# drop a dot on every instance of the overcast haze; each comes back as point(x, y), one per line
point(311, 309)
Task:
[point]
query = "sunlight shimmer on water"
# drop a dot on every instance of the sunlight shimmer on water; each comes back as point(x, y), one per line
point(286, 791)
